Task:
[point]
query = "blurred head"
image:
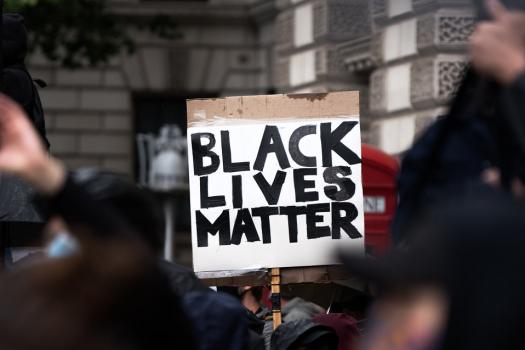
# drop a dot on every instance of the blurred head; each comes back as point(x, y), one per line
point(412, 318)
point(135, 205)
point(251, 297)
point(111, 296)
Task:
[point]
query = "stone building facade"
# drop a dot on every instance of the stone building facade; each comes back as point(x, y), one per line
point(404, 56)
point(225, 49)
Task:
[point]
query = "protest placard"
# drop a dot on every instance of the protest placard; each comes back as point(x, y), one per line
point(275, 181)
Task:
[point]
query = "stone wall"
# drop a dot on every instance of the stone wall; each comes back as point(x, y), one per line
point(308, 34)
point(405, 56)
point(89, 112)
point(420, 61)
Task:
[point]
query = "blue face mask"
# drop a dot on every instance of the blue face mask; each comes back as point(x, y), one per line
point(63, 245)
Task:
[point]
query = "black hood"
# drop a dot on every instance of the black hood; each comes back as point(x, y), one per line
point(14, 41)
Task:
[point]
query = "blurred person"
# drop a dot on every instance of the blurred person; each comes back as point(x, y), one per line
point(251, 299)
point(217, 318)
point(344, 325)
point(141, 211)
point(482, 139)
point(459, 285)
point(304, 334)
point(292, 309)
point(220, 321)
point(111, 295)
point(17, 82)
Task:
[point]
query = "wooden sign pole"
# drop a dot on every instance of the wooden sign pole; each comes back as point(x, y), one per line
point(276, 297)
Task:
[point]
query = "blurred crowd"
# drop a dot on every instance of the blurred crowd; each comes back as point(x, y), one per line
point(454, 279)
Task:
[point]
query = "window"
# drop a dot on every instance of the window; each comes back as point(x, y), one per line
point(397, 134)
point(303, 25)
point(399, 40)
point(399, 7)
point(398, 88)
point(302, 68)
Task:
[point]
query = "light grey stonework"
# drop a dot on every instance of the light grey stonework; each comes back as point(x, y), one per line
point(454, 29)
point(89, 112)
point(59, 99)
point(113, 78)
point(117, 122)
point(63, 143)
point(247, 49)
point(426, 31)
point(377, 92)
point(96, 144)
point(321, 16)
point(83, 77)
point(450, 73)
point(105, 100)
point(443, 28)
point(284, 30)
point(76, 122)
point(348, 18)
point(379, 9)
point(422, 86)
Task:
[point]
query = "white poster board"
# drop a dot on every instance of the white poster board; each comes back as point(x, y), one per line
point(275, 193)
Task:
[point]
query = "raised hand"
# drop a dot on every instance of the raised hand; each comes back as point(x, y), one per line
point(22, 152)
point(497, 47)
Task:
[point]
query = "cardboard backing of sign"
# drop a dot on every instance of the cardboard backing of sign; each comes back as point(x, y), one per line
point(273, 107)
point(219, 111)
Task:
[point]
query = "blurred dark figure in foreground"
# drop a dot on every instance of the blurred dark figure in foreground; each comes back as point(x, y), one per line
point(459, 286)
point(17, 83)
point(344, 325)
point(458, 283)
point(217, 318)
point(482, 139)
point(111, 295)
point(140, 211)
point(304, 334)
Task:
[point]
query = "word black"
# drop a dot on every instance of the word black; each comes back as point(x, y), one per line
point(271, 142)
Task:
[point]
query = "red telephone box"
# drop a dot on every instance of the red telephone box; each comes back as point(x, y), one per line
point(380, 197)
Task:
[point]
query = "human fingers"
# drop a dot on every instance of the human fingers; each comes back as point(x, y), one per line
point(496, 9)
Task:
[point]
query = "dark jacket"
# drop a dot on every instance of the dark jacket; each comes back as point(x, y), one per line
point(219, 320)
point(16, 195)
point(303, 332)
point(18, 83)
point(468, 150)
point(487, 130)
point(182, 279)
